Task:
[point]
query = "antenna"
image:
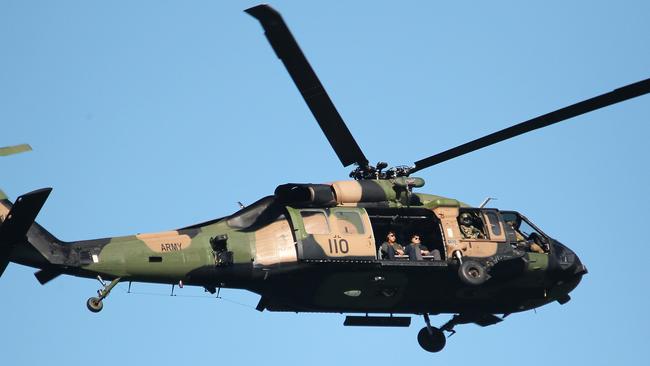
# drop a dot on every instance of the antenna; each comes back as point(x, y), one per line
point(485, 201)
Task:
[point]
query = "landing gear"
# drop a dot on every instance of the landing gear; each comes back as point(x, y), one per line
point(433, 342)
point(95, 304)
point(430, 338)
point(472, 273)
point(433, 339)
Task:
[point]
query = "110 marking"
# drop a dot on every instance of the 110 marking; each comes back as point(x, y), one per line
point(339, 246)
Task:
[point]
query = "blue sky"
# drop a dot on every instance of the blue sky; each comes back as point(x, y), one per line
point(152, 115)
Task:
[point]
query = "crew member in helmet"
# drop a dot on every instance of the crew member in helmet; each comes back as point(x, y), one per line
point(468, 227)
point(523, 242)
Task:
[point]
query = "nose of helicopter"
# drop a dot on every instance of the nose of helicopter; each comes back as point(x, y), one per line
point(567, 260)
point(568, 267)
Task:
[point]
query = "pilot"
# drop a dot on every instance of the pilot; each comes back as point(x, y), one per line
point(467, 227)
point(391, 247)
point(523, 242)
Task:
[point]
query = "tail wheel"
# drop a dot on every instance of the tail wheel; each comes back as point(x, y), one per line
point(432, 342)
point(94, 304)
point(472, 273)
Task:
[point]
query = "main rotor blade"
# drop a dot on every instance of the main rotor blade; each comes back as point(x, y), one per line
point(4, 151)
point(603, 100)
point(320, 104)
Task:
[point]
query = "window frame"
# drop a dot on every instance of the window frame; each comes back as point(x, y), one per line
point(476, 212)
point(319, 211)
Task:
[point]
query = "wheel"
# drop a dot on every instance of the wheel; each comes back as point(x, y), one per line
point(432, 342)
point(472, 273)
point(94, 304)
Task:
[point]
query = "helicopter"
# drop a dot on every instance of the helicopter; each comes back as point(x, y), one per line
point(330, 235)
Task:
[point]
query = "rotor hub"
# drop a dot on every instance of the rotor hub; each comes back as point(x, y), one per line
point(377, 171)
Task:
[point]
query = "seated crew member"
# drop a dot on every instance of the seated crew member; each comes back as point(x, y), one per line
point(415, 250)
point(391, 247)
point(529, 245)
point(467, 227)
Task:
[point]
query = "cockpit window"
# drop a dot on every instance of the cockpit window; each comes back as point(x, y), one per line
point(524, 229)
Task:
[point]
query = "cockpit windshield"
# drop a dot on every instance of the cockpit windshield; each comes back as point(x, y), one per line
point(521, 224)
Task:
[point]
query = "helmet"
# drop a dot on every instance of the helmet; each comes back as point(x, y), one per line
point(465, 218)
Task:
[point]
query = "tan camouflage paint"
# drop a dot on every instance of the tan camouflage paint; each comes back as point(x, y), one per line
point(490, 224)
point(347, 191)
point(166, 241)
point(130, 256)
point(454, 239)
point(451, 232)
point(274, 244)
point(361, 243)
point(344, 225)
point(480, 248)
point(316, 222)
point(4, 210)
point(342, 238)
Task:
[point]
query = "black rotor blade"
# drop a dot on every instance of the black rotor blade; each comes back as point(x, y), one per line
point(603, 100)
point(320, 104)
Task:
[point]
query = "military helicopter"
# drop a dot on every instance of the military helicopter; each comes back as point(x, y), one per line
point(318, 247)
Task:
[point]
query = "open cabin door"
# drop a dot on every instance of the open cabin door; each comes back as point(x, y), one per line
point(332, 233)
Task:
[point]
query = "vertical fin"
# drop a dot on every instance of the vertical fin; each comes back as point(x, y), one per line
point(18, 221)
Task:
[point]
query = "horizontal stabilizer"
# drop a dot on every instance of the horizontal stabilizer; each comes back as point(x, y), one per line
point(486, 319)
point(482, 319)
point(377, 321)
point(45, 275)
point(18, 221)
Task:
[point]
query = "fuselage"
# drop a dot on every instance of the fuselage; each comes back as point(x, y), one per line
point(318, 248)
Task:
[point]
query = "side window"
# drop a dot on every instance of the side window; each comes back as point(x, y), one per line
point(349, 222)
point(493, 221)
point(315, 222)
point(471, 225)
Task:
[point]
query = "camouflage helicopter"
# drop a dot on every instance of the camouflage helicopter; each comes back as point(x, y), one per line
point(318, 247)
